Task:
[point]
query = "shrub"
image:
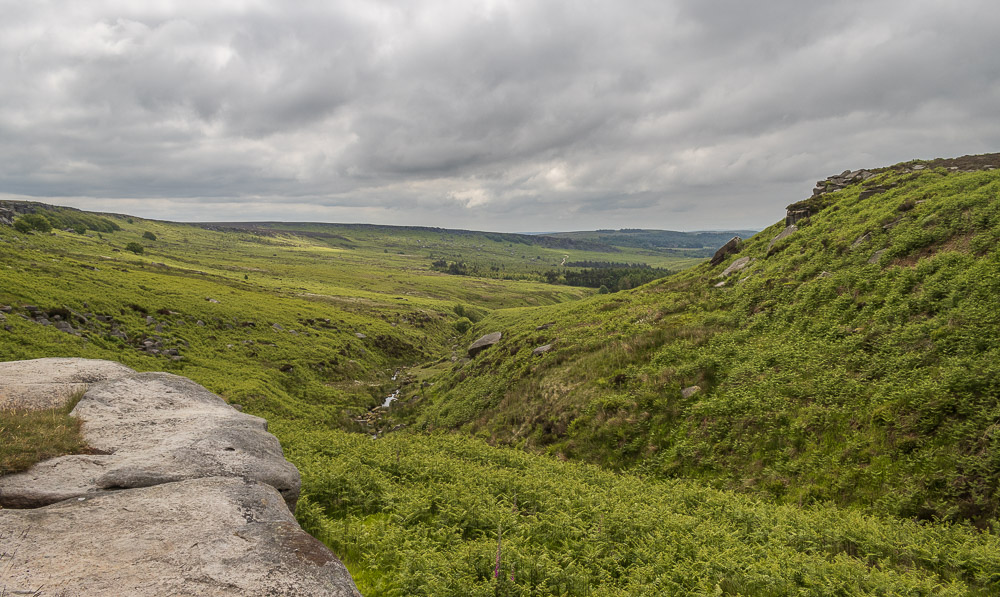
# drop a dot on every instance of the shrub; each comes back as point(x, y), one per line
point(29, 222)
point(148, 235)
point(134, 247)
point(463, 325)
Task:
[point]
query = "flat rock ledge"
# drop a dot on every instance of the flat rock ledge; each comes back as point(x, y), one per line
point(209, 536)
point(187, 496)
point(47, 383)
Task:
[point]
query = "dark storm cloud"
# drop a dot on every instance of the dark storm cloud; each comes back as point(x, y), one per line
point(496, 115)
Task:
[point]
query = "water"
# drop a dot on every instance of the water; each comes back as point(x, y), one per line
point(390, 398)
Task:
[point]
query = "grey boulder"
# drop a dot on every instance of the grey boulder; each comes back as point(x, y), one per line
point(732, 246)
point(208, 536)
point(483, 343)
point(153, 428)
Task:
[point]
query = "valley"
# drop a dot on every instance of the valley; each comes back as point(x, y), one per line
point(817, 413)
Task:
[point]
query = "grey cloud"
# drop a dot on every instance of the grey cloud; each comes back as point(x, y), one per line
point(484, 114)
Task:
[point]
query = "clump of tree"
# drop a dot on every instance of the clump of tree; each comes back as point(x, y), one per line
point(32, 222)
point(605, 264)
point(148, 235)
point(455, 268)
point(611, 279)
point(135, 248)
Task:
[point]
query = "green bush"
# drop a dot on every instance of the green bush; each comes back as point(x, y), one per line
point(29, 222)
point(463, 325)
point(134, 247)
point(148, 235)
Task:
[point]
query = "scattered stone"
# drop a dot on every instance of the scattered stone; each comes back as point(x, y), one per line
point(277, 327)
point(545, 326)
point(360, 336)
point(690, 391)
point(6, 309)
point(737, 265)
point(870, 192)
point(732, 246)
point(200, 323)
point(31, 308)
point(42, 321)
point(541, 350)
point(286, 367)
point(153, 428)
point(876, 256)
point(211, 300)
point(918, 167)
point(861, 240)
point(150, 320)
point(720, 284)
point(483, 343)
point(789, 229)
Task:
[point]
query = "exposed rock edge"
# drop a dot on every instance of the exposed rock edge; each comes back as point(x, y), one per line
point(193, 497)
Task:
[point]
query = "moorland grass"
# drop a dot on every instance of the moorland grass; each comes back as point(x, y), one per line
point(848, 403)
point(30, 436)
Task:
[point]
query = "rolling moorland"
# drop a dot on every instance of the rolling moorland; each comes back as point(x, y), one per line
point(821, 420)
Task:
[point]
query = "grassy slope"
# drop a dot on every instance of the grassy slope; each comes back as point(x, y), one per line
point(828, 371)
point(416, 514)
point(404, 311)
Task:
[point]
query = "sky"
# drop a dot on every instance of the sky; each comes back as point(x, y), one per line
point(493, 115)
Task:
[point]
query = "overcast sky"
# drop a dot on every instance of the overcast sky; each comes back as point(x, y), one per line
point(511, 116)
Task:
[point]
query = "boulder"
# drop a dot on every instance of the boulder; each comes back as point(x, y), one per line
point(153, 428)
point(736, 266)
point(870, 192)
point(541, 350)
point(782, 235)
point(732, 246)
point(46, 383)
point(483, 343)
point(794, 215)
point(690, 391)
point(207, 536)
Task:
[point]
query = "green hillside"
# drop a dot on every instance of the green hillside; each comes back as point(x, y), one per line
point(842, 439)
point(856, 360)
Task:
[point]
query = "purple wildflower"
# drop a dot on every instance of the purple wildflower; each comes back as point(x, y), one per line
point(496, 568)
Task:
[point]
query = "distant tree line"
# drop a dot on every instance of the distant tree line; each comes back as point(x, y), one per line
point(612, 279)
point(606, 264)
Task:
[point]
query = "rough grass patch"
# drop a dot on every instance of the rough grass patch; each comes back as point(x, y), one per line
point(30, 436)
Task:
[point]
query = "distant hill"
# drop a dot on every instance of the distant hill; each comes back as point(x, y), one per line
point(657, 239)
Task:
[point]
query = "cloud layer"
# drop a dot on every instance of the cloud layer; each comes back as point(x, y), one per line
point(498, 115)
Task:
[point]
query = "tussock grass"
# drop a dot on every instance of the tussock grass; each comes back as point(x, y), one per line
point(30, 436)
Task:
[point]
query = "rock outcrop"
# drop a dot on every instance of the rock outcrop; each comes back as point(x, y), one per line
point(731, 247)
point(483, 343)
point(153, 428)
point(47, 383)
point(209, 536)
point(185, 495)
